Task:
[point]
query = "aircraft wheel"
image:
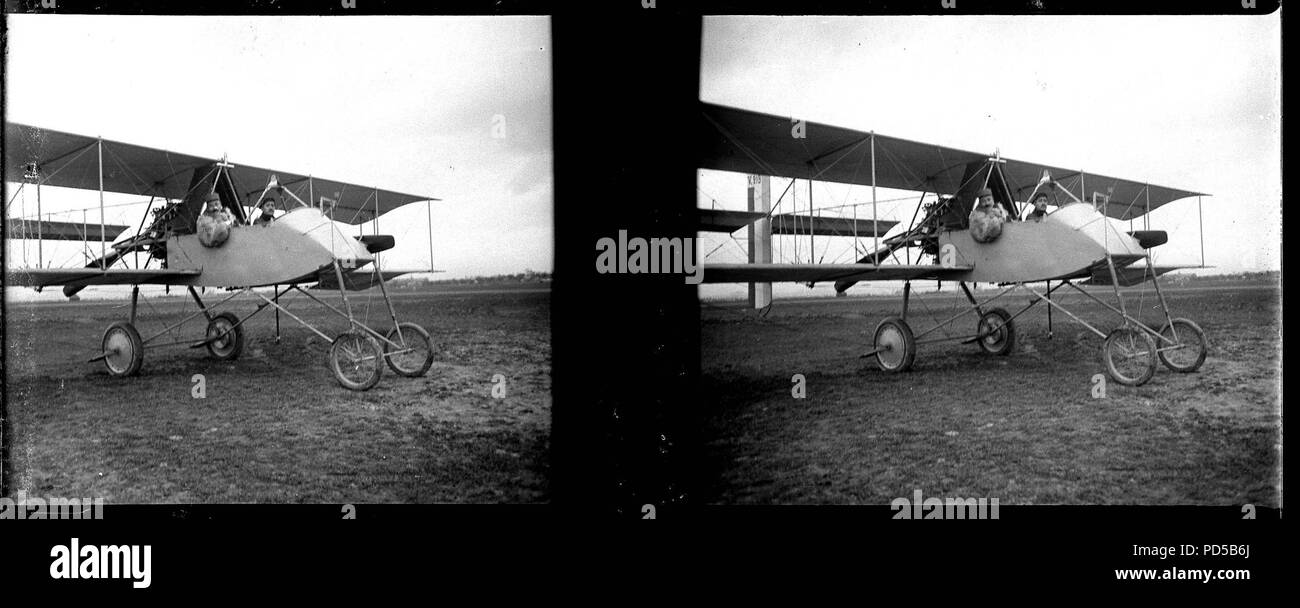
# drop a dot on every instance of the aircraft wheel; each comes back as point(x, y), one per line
point(231, 343)
point(123, 349)
point(1001, 338)
point(1189, 346)
point(418, 347)
point(895, 346)
point(1130, 356)
point(356, 360)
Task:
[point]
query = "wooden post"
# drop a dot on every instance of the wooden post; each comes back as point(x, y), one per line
point(760, 237)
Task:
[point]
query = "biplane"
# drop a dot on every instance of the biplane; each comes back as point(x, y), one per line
point(197, 231)
point(1077, 243)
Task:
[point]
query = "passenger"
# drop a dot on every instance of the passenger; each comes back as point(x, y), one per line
point(1040, 208)
point(986, 218)
point(268, 212)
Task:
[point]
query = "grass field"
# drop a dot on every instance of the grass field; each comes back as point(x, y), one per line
point(1024, 428)
point(275, 426)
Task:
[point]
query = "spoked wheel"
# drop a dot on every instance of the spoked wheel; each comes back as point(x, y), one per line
point(895, 347)
point(226, 338)
point(1187, 347)
point(998, 330)
point(1130, 356)
point(415, 355)
point(356, 360)
point(123, 349)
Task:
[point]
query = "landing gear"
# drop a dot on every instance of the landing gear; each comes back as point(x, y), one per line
point(895, 347)
point(356, 357)
point(997, 331)
point(1130, 356)
point(414, 356)
point(1186, 347)
point(356, 360)
point(123, 349)
point(225, 337)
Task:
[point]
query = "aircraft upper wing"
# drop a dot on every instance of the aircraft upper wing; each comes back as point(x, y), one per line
point(72, 161)
point(80, 277)
point(817, 273)
point(743, 141)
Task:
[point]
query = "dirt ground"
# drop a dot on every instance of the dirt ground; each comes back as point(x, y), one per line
point(1024, 428)
point(275, 426)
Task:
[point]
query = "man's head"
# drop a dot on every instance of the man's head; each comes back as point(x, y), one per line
point(212, 201)
point(268, 206)
point(985, 196)
point(1040, 202)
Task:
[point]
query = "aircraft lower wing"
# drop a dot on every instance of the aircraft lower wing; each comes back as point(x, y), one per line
point(361, 278)
point(1131, 275)
point(725, 220)
point(81, 277)
point(816, 273)
point(62, 231)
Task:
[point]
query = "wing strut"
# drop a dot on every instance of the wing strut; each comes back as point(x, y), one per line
point(103, 253)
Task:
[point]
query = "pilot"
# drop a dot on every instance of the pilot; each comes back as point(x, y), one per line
point(213, 226)
point(1040, 208)
point(986, 218)
point(268, 212)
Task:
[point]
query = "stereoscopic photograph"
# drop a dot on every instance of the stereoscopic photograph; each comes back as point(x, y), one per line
point(383, 282)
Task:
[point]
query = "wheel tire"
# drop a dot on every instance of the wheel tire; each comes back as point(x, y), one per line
point(1003, 340)
point(355, 360)
point(1129, 356)
point(411, 364)
point(123, 349)
point(229, 347)
point(895, 346)
point(1183, 329)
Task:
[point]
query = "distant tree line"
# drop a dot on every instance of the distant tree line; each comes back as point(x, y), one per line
point(1262, 276)
point(525, 277)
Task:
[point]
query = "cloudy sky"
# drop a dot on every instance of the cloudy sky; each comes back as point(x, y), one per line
point(401, 103)
point(1186, 102)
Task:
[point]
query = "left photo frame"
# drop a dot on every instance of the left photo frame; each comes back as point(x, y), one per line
point(278, 259)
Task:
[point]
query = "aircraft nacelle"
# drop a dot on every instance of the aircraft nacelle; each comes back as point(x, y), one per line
point(292, 249)
point(1071, 239)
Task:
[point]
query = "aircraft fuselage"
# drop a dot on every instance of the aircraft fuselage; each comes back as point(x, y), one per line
point(1067, 242)
point(292, 249)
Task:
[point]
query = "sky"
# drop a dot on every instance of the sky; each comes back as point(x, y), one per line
point(1186, 102)
point(402, 103)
